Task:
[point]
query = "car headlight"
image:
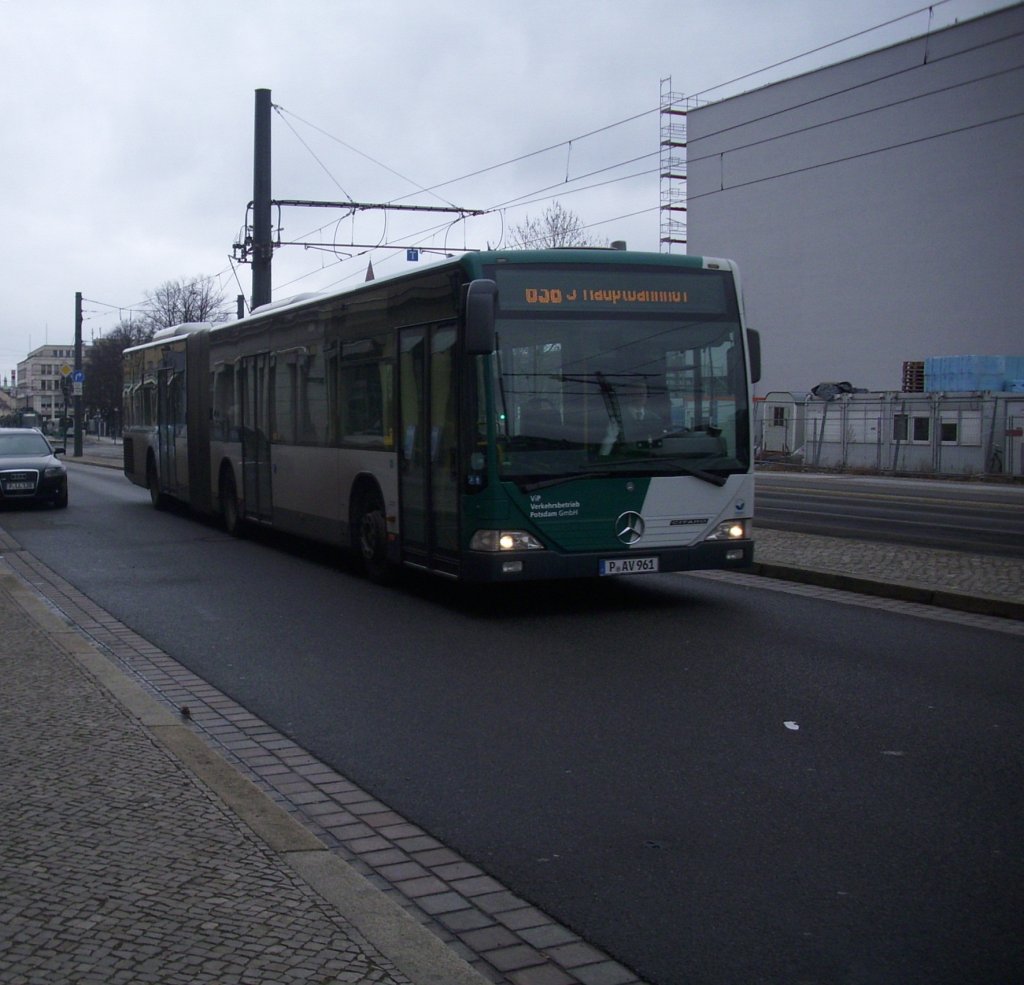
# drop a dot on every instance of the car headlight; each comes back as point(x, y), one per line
point(504, 540)
point(729, 530)
point(54, 472)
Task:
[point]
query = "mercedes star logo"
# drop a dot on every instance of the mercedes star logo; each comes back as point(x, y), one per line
point(629, 527)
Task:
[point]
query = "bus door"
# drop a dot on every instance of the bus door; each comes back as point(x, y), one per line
point(168, 391)
point(254, 379)
point(428, 447)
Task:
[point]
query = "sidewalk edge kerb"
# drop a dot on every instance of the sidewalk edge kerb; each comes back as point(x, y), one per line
point(413, 949)
point(942, 598)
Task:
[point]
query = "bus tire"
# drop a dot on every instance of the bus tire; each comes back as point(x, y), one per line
point(156, 497)
point(230, 515)
point(371, 538)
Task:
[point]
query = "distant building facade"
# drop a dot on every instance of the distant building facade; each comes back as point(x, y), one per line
point(39, 378)
point(875, 206)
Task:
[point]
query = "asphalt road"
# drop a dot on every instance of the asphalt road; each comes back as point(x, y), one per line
point(713, 784)
point(985, 518)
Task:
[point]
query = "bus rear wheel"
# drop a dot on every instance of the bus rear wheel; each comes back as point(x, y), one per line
point(372, 540)
point(229, 513)
point(156, 497)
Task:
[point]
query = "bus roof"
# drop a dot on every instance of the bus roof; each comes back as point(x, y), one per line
point(473, 264)
point(172, 333)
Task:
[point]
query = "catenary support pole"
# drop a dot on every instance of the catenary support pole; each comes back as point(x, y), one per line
point(262, 241)
point(78, 376)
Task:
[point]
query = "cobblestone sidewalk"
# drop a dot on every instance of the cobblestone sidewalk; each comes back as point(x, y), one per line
point(956, 579)
point(118, 866)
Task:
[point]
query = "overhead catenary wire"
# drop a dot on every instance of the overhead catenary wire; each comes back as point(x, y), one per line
point(535, 195)
point(281, 111)
point(298, 137)
point(824, 47)
point(881, 107)
point(431, 189)
point(636, 116)
point(861, 154)
point(500, 209)
point(527, 198)
point(846, 91)
point(520, 199)
point(574, 191)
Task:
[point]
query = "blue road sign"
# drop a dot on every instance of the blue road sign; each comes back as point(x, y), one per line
point(412, 254)
point(78, 376)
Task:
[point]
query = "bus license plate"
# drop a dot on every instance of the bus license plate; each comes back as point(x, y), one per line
point(629, 566)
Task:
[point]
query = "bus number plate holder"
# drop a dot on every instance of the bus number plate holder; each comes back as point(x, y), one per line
point(629, 566)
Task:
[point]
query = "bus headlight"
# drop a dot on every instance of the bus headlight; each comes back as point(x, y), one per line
point(504, 540)
point(729, 530)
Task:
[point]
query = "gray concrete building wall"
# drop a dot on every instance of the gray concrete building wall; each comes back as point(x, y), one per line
point(875, 206)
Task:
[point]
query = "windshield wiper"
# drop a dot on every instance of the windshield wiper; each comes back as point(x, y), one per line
point(654, 463)
point(606, 473)
point(715, 480)
point(559, 480)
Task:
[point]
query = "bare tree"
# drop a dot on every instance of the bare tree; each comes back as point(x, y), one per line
point(177, 301)
point(557, 226)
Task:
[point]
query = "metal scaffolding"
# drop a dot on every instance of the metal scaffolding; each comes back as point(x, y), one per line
point(674, 107)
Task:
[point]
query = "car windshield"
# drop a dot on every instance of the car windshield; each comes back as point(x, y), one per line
point(30, 443)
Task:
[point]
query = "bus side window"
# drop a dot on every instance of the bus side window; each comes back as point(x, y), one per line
point(300, 400)
point(223, 427)
point(364, 389)
point(285, 388)
point(312, 400)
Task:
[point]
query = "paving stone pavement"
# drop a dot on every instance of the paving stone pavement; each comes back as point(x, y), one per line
point(980, 583)
point(117, 865)
point(439, 918)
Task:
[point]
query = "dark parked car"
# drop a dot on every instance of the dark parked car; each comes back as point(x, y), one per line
point(30, 471)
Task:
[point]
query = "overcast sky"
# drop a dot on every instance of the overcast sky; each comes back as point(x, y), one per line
point(126, 140)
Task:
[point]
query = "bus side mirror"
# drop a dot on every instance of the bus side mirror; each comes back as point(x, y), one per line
point(481, 304)
point(754, 348)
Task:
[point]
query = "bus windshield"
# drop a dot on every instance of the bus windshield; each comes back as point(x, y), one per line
point(646, 395)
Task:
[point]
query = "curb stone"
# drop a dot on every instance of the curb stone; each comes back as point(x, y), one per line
point(903, 592)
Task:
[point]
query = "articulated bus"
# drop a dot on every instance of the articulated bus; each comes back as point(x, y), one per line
point(499, 416)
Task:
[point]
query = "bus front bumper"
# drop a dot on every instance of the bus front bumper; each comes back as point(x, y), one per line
point(481, 566)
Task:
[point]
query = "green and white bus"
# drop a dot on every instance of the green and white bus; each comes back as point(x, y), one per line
point(500, 416)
